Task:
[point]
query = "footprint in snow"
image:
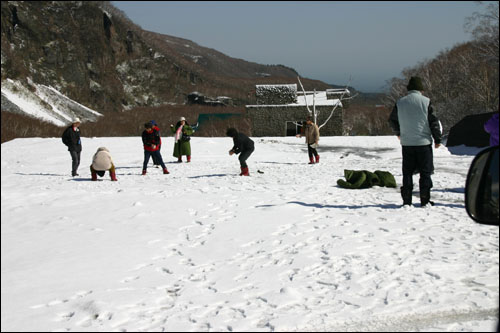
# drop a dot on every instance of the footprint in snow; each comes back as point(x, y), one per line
point(129, 278)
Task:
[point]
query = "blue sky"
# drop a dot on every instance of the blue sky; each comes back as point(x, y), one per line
point(330, 41)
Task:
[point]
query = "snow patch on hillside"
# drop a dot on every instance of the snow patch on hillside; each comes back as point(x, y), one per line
point(43, 102)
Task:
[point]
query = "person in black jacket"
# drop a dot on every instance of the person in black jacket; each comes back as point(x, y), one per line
point(71, 138)
point(244, 146)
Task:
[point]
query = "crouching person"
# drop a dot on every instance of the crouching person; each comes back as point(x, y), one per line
point(101, 162)
point(244, 146)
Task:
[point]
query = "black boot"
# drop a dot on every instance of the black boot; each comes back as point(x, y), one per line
point(406, 193)
point(425, 197)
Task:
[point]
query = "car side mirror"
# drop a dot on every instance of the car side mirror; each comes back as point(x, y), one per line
point(481, 187)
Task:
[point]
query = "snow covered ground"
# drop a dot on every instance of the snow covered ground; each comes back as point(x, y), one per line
point(203, 249)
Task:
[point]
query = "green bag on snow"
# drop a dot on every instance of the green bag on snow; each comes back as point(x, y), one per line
point(366, 179)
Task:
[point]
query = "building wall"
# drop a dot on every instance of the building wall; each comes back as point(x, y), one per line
point(276, 94)
point(270, 120)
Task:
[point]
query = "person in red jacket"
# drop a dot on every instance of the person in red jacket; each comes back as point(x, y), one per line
point(156, 163)
point(151, 140)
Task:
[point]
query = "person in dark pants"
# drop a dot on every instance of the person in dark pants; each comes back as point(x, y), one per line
point(414, 122)
point(151, 141)
point(244, 146)
point(311, 132)
point(71, 138)
point(156, 163)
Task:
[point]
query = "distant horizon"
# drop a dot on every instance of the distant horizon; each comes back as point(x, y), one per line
point(370, 42)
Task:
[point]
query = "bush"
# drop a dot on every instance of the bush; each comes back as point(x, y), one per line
point(19, 126)
point(129, 123)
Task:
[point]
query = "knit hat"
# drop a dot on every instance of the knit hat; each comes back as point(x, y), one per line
point(76, 120)
point(415, 84)
point(232, 132)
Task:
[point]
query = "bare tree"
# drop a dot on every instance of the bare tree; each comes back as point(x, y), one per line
point(462, 80)
point(458, 81)
point(314, 113)
point(484, 29)
point(396, 88)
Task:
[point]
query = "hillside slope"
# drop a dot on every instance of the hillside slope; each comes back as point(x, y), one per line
point(93, 54)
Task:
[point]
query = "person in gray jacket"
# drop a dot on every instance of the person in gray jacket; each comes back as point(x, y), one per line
point(414, 122)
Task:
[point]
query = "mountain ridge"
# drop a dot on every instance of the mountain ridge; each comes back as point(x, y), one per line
point(94, 55)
